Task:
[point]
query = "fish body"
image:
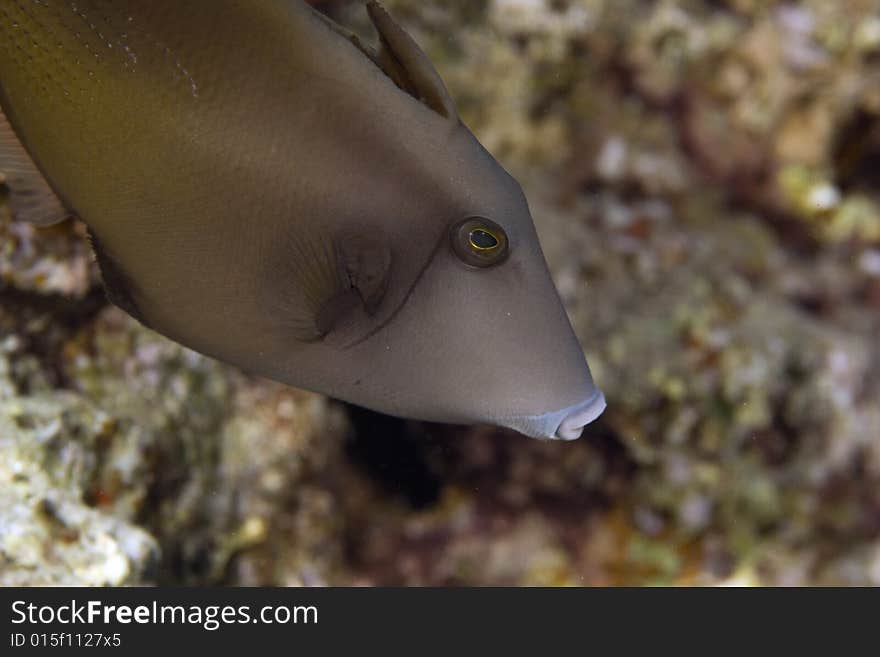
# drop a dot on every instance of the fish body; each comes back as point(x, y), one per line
point(263, 188)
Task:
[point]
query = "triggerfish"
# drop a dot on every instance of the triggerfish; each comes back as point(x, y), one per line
point(265, 188)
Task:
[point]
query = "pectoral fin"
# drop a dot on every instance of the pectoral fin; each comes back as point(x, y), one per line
point(367, 263)
point(31, 199)
point(407, 65)
point(316, 281)
point(364, 263)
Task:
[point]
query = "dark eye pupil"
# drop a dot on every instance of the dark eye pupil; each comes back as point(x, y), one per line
point(483, 240)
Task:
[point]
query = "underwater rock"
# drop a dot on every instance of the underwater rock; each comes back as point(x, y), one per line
point(127, 459)
point(49, 535)
point(48, 261)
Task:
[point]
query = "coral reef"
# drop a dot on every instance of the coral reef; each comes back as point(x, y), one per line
point(126, 459)
point(703, 176)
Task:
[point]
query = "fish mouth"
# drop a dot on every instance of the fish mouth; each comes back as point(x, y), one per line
point(565, 424)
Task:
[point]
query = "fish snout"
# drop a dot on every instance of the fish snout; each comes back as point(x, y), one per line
point(579, 416)
point(565, 424)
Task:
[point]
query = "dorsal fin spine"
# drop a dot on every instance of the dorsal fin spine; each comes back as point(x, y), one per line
point(407, 65)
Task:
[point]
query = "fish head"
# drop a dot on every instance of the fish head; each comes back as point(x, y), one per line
point(455, 317)
point(472, 329)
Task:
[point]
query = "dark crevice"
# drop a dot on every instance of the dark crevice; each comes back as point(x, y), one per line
point(395, 453)
point(856, 153)
point(62, 316)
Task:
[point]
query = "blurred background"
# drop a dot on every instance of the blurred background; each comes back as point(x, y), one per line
point(705, 178)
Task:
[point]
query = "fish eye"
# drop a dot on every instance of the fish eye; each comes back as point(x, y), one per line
point(479, 242)
point(482, 240)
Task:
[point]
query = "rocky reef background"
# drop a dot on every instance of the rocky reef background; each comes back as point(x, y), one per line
point(705, 178)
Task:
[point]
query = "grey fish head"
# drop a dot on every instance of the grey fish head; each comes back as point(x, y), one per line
point(453, 315)
point(477, 333)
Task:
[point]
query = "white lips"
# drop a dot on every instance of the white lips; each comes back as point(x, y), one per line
point(564, 424)
point(580, 416)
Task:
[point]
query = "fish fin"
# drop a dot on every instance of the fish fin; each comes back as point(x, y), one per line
point(407, 65)
point(363, 264)
point(349, 36)
point(303, 280)
point(366, 260)
point(31, 199)
point(318, 281)
point(118, 286)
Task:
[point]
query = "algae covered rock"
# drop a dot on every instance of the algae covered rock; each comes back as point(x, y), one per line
point(127, 459)
point(49, 446)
